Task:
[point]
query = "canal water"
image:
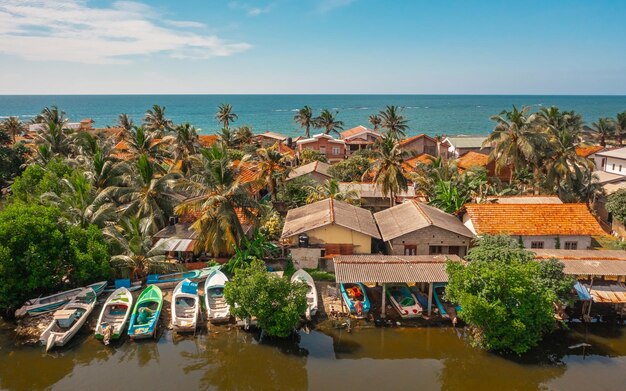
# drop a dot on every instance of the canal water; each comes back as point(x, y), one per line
point(585, 358)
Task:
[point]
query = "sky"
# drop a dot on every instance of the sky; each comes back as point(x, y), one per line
point(313, 47)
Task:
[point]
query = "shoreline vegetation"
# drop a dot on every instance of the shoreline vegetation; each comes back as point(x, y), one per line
point(82, 204)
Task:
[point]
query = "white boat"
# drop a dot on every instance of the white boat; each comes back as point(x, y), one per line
point(185, 306)
point(311, 295)
point(114, 315)
point(69, 320)
point(45, 304)
point(216, 307)
point(403, 300)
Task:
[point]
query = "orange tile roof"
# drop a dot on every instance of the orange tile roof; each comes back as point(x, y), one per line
point(411, 139)
point(206, 140)
point(409, 164)
point(284, 149)
point(472, 159)
point(533, 219)
point(586, 151)
point(191, 217)
point(353, 131)
point(121, 146)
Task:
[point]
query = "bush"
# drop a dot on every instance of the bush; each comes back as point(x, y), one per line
point(616, 204)
point(351, 169)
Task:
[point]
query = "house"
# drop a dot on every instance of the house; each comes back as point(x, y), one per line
point(414, 228)
point(334, 150)
point(537, 226)
point(423, 144)
point(325, 228)
point(591, 152)
point(409, 164)
point(86, 124)
point(268, 138)
point(459, 146)
point(612, 160)
point(359, 138)
point(207, 140)
point(317, 171)
point(522, 199)
point(371, 195)
point(476, 159)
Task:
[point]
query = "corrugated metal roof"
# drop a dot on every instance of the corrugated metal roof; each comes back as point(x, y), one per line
point(316, 166)
point(613, 293)
point(391, 268)
point(594, 267)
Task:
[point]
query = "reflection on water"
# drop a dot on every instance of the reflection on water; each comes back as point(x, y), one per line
point(427, 358)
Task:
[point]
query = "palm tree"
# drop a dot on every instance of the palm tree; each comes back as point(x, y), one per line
point(330, 189)
point(155, 122)
point(271, 166)
point(13, 127)
point(125, 122)
point(55, 138)
point(375, 121)
point(328, 121)
point(426, 176)
point(225, 115)
point(601, 130)
point(387, 169)
point(227, 137)
point(140, 142)
point(305, 119)
point(51, 114)
point(105, 171)
point(215, 193)
point(185, 145)
point(620, 127)
point(393, 122)
point(244, 135)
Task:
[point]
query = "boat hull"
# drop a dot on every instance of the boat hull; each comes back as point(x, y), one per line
point(150, 299)
point(350, 302)
point(218, 311)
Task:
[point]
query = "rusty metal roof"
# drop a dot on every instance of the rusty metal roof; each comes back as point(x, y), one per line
point(588, 262)
point(391, 268)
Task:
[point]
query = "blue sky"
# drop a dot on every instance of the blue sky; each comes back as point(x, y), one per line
point(313, 46)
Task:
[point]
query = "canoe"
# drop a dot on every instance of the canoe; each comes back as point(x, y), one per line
point(114, 315)
point(216, 307)
point(446, 309)
point(352, 293)
point(311, 295)
point(403, 300)
point(165, 281)
point(145, 315)
point(67, 321)
point(53, 302)
point(185, 306)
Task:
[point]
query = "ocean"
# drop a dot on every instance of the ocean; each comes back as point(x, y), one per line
point(430, 114)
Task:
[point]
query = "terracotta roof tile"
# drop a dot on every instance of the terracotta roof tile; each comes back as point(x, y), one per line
point(586, 151)
point(411, 139)
point(472, 159)
point(533, 219)
point(206, 140)
point(410, 164)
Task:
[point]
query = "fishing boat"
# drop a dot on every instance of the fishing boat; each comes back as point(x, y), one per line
point(403, 300)
point(165, 281)
point(353, 293)
point(114, 315)
point(67, 321)
point(185, 306)
point(446, 309)
point(145, 316)
point(216, 307)
point(311, 295)
point(45, 304)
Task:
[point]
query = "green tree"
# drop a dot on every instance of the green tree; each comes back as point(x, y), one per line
point(272, 167)
point(185, 145)
point(11, 158)
point(616, 205)
point(394, 122)
point(225, 115)
point(244, 136)
point(155, 121)
point(375, 121)
point(305, 119)
point(12, 126)
point(506, 298)
point(37, 180)
point(295, 192)
point(387, 169)
point(258, 247)
point(276, 302)
point(350, 169)
point(125, 122)
point(307, 156)
point(601, 130)
point(620, 127)
point(330, 189)
point(328, 121)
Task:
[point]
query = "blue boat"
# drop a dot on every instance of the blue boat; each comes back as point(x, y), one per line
point(353, 292)
point(145, 316)
point(446, 309)
point(172, 279)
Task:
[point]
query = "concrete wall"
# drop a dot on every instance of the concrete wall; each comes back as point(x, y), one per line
point(615, 166)
point(326, 147)
point(336, 234)
point(549, 242)
point(429, 236)
point(305, 257)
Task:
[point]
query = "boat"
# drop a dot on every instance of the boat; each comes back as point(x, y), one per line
point(123, 282)
point(185, 306)
point(67, 321)
point(446, 309)
point(216, 307)
point(45, 304)
point(114, 315)
point(165, 281)
point(352, 293)
point(403, 300)
point(311, 294)
point(145, 315)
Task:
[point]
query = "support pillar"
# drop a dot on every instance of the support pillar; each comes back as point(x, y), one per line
point(383, 315)
point(430, 297)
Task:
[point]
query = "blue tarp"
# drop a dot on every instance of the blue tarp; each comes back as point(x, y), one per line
point(189, 287)
point(124, 282)
point(583, 293)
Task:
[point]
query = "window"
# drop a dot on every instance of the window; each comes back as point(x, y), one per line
point(620, 168)
point(613, 167)
point(410, 249)
point(435, 250)
point(322, 148)
point(336, 151)
point(571, 245)
point(536, 244)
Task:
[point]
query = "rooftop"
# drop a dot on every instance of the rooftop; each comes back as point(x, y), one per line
point(619, 153)
point(410, 164)
point(273, 135)
point(316, 137)
point(533, 219)
point(523, 199)
point(346, 134)
point(206, 140)
point(316, 166)
point(370, 190)
point(326, 212)
point(466, 142)
point(586, 151)
point(416, 137)
point(411, 216)
point(608, 177)
point(472, 159)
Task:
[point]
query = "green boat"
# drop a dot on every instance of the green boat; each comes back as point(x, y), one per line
point(145, 316)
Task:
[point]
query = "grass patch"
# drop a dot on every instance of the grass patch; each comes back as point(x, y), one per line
point(321, 275)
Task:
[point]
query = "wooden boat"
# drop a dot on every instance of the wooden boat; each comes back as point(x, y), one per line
point(446, 309)
point(114, 315)
point(45, 304)
point(165, 281)
point(69, 320)
point(145, 316)
point(185, 306)
point(311, 295)
point(352, 293)
point(216, 307)
point(403, 300)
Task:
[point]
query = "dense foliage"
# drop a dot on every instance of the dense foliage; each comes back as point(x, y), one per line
point(275, 302)
point(506, 297)
point(616, 205)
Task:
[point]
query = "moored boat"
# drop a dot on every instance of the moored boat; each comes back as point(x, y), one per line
point(98, 287)
point(145, 315)
point(446, 309)
point(403, 300)
point(165, 281)
point(185, 306)
point(114, 315)
point(311, 295)
point(217, 308)
point(67, 321)
point(355, 295)
point(49, 303)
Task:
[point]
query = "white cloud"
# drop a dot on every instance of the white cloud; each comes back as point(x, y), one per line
point(71, 30)
point(248, 9)
point(329, 5)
